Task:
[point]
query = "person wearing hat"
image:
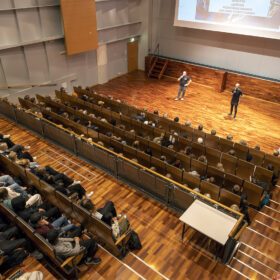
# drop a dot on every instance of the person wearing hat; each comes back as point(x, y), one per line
point(68, 247)
point(236, 93)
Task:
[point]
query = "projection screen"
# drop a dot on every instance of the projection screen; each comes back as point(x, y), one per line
point(259, 18)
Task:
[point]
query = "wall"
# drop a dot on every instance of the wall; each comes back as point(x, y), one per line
point(32, 48)
point(246, 54)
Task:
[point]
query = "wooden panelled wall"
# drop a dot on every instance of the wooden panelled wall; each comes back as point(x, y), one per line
point(222, 80)
point(80, 27)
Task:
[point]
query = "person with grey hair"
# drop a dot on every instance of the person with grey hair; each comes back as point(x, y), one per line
point(236, 93)
point(188, 123)
point(184, 83)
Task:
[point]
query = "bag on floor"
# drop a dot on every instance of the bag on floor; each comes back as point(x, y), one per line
point(134, 242)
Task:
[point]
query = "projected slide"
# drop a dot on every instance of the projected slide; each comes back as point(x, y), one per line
point(251, 17)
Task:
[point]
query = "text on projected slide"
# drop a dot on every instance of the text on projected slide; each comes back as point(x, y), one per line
point(241, 7)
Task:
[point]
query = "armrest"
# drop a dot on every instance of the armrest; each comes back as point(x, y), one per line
point(67, 261)
point(74, 258)
point(236, 237)
point(123, 237)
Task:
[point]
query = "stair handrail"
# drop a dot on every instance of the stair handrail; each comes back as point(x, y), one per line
point(153, 55)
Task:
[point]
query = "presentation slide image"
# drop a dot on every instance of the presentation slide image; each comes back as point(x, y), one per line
point(262, 14)
point(259, 8)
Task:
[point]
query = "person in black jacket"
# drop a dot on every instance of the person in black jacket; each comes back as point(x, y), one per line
point(19, 206)
point(236, 93)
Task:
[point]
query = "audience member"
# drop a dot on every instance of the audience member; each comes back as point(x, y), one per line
point(213, 132)
point(67, 247)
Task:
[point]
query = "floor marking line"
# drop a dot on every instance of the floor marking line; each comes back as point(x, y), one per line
point(252, 268)
point(258, 261)
point(272, 209)
point(266, 225)
point(234, 269)
point(259, 252)
point(149, 266)
point(127, 266)
point(269, 217)
point(86, 169)
point(275, 201)
point(263, 235)
point(67, 167)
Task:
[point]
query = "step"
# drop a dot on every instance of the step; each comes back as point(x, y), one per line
point(261, 243)
point(247, 270)
point(255, 264)
point(260, 256)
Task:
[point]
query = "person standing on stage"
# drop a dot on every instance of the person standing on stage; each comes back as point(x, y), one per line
point(236, 93)
point(184, 83)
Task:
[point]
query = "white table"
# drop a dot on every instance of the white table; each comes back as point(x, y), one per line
point(209, 221)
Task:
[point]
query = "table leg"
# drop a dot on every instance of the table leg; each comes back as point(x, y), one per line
point(183, 232)
point(218, 250)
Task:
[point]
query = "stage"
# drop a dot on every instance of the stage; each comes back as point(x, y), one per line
point(257, 120)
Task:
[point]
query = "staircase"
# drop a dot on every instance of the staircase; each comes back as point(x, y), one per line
point(158, 67)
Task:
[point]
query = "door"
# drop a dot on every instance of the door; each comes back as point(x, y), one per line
point(132, 56)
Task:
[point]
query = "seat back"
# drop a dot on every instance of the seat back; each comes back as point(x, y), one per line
point(244, 169)
point(231, 180)
point(253, 192)
point(212, 141)
point(228, 198)
point(275, 161)
point(217, 174)
point(229, 162)
point(225, 145)
point(257, 156)
point(198, 166)
point(263, 175)
point(198, 149)
point(213, 156)
point(241, 151)
point(213, 190)
point(192, 181)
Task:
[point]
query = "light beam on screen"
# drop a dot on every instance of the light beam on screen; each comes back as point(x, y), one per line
point(259, 18)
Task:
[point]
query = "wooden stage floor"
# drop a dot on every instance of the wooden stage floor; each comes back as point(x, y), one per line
point(257, 120)
point(163, 256)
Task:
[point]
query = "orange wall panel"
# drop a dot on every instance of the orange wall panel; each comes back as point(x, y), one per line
point(80, 28)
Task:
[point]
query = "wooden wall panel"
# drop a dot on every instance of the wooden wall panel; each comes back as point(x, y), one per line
point(79, 20)
point(259, 88)
point(222, 80)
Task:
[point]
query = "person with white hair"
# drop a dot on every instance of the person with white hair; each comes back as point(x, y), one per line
point(236, 93)
point(184, 83)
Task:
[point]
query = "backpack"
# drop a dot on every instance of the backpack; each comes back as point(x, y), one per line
point(134, 241)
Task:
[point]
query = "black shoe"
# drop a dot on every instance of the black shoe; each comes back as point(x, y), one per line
point(93, 261)
point(229, 115)
point(37, 255)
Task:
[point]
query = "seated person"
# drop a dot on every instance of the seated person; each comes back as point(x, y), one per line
point(25, 211)
point(42, 226)
point(259, 183)
point(24, 162)
point(274, 179)
point(140, 117)
point(67, 247)
point(21, 152)
point(89, 125)
point(6, 139)
point(108, 212)
point(236, 189)
point(8, 182)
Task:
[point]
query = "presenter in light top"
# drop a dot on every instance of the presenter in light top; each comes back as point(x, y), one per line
point(236, 93)
point(184, 83)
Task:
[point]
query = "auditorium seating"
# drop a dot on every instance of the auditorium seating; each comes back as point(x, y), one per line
point(95, 226)
point(156, 149)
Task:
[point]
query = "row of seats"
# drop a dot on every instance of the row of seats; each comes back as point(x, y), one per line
point(232, 165)
point(222, 180)
point(111, 161)
point(95, 226)
point(212, 141)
